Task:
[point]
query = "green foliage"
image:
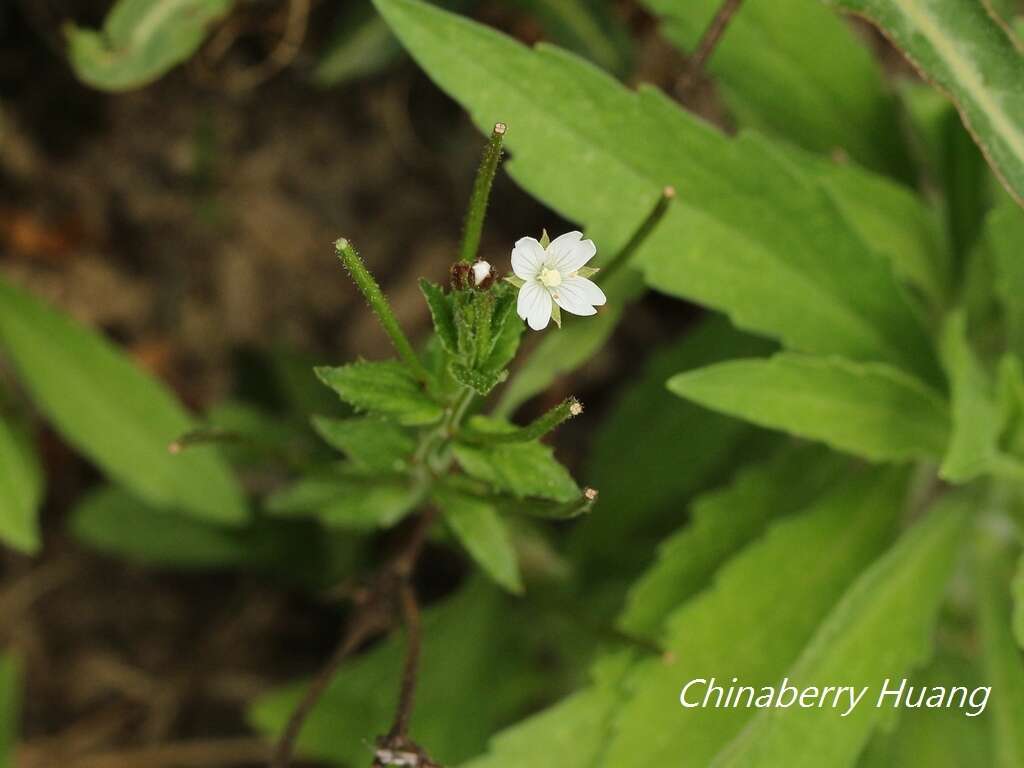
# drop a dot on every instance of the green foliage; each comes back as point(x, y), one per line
point(747, 229)
point(9, 709)
point(795, 69)
point(522, 469)
point(1017, 588)
point(722, 522)
point(361, 45)
point(141, 40)
point(976, 422)
point(21, 490)
point(961, 48)
point(773, 595)
point(348, 499)
point(474, 676)
point(479, 528)
point(112, 412)
point(369, 442)
point(1004, 235)
point(587, 27)
point(880, 629)
point(387, 389)
point(869, 410)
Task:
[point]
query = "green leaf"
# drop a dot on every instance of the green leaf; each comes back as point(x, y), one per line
point(21, 491)
point(387, 388)
point(477, 525)
point(796, 70)
point(441, 312)
point(936, 738)
point(747, 228)
point(522, 469)
point(869, 410)
point(722, 523)
point(567, 735)
point(473, 678)
point(648, 424)
point(1017, 590)
point(348, 500)
point(976, 421)
point(112, 521)
point(1004, 235)
point(1002, 661)
point(481, 382)
point(964, 51)
point(141, 40)
point(370, 442)
point(112, 412)
point(771, 597)
point(880, 630)
point(9, 709)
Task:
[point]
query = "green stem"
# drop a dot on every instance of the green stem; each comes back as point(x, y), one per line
point(537, 428)
point(652, 220)
point(379, 304)
point(481, 193)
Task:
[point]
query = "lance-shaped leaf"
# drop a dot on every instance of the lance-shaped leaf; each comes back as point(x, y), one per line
point(112, 412)
point(771, 597)
point(880, 630)
point(370, 442)
point(348, 499)
point(1002, 661)
point(795, 69)
point(976, 418)
point(21, 490)
point(965, 51)
point(721, 523)
point(869, 410)
point(141, 40)
point(479, 528)
point(747, 228)
point(385, 388)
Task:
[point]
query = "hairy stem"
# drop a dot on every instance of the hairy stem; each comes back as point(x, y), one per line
point(379, 304)
point(481, 194)
point(539, 427)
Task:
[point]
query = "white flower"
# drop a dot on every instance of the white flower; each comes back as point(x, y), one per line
point(551, 278)
point(480, 272)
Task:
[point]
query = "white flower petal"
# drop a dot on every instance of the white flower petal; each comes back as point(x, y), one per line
point(562, 246)
point(570, 260)
point(527, 258)
point(534, 305)
point(579, 295)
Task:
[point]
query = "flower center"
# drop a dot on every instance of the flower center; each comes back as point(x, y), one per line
point(550, 278)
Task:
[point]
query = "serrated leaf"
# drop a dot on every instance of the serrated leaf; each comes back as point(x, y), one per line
point(1002, 661)
point(369, 441)
point(797, 70)
point(1004, 235)
point(964, 51)
point(117, 416)
point(747, 228)
point(772, 597)
point(481, 382)
point(869, 410)
point(112, 521)
point(349, 500)
point(721, 523)
point(9, 708)
point(881, 629)
point(441, 312)
point(141, 40)
point(937, 738)
point(21, 490)
point(473, 678)
point(479, 528)
point(976, 422)
point(522, 469)
point(386, 388)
